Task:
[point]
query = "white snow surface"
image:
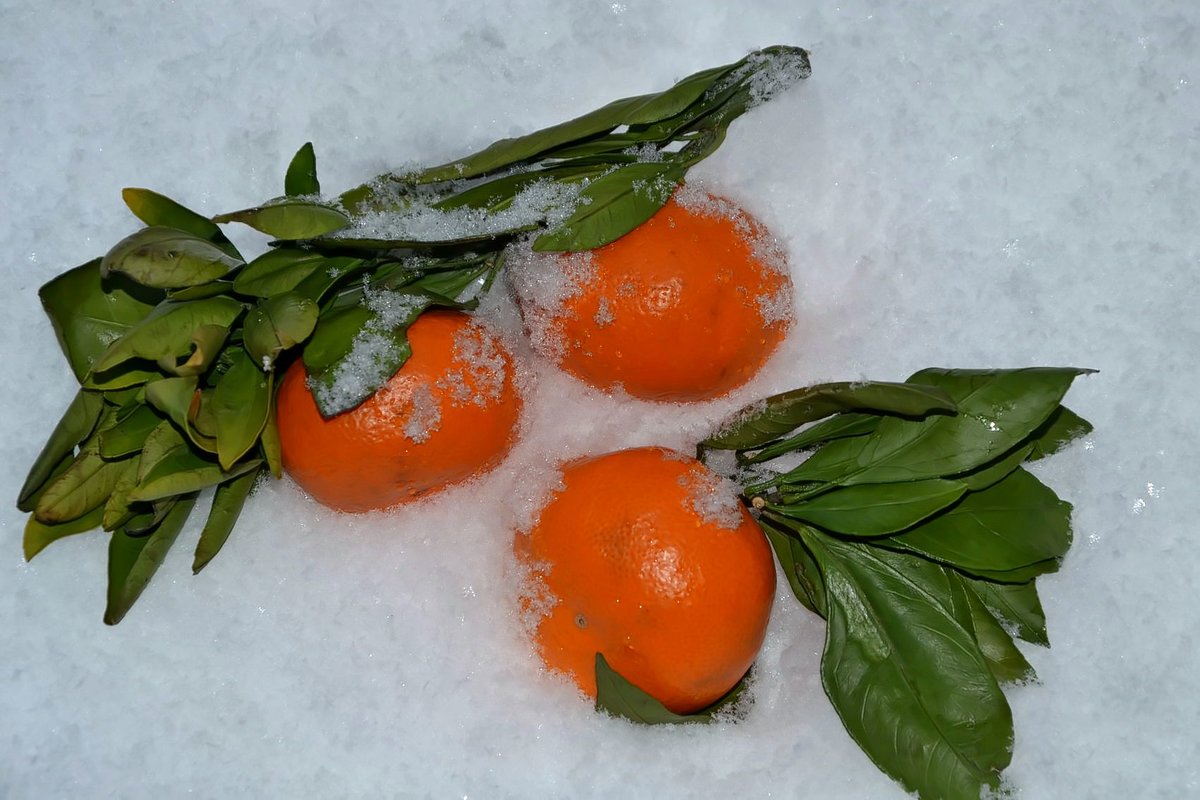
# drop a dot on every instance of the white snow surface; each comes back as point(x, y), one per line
point(973, 184)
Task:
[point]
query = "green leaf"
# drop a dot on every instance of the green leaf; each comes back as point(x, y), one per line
point(133, 560)
point(76, 425)
point(1006, 661)
point(1017, 523)
point(1017, 604)
point(278, 324)
point(997, 409)
point(842, 426)
point(118, 509)
point(875, 509)
point(39, 536)
point(992, 473)
point(798, 564)
point(301, 178)
point(167, 258)
point(907, 680)
point(182, 471)
point(168, 332)
point(228, 501)
point(88, 313)
point(612, 205)
point(289, 219)
point(1063, 427)
point(351, 354)
point(279, 270)
point(201, 292)
point(154, 209)
point(492, 193)
point(762, 422)
point(84, 486)
point(272, 449)
point(240, 403)
point(620, 698)
point(179, 399)
point(162, 440)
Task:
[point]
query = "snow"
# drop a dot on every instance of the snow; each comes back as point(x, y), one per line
point(957, 185)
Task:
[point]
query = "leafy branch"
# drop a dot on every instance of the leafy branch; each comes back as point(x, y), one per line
point(176, 339)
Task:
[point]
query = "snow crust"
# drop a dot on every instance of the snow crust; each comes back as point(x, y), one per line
point(965, 184)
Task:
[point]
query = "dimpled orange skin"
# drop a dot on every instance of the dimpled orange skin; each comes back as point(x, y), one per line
point(363, 459)
point(672, 312)
point(677, 605)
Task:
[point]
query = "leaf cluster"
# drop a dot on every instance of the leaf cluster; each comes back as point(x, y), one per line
point(177, 340)
point(914, 530)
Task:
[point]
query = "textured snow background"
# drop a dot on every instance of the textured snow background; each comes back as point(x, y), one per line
point(959, 184)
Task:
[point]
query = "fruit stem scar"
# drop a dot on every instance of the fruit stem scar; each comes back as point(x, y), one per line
point(581, 621)
point(758, 502)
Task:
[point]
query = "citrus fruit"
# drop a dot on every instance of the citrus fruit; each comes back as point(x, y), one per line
point(450, 412)
point(648, 557)
point(687, 306)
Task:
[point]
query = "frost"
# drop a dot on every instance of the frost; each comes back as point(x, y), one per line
point(543, 201)
point(424, 416)
point(713, 498)
point(544, 283)
point(370, 362)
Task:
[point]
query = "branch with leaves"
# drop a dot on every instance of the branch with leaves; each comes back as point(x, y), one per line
point(176, 339)
point(915, 531)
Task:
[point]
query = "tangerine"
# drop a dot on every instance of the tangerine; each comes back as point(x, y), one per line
point(687, 306)
point(648, 557)
point(449, 412)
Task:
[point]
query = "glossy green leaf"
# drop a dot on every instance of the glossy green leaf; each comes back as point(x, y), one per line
point(154, 209)
point(1063, 427)
point(620, 698)
point(133, 560)
point(798, 565)
point(993, 472)
point(301, 178)
point(997, 410)
point(1015, 523)
point(289, 219)
point(168, 331)
point(76, 425)
point(39, 535)
point(84, 486)
point(613, 205)
point(1007, 662)
point(181, 471)
point(88, 312)
point(875, 509)
point(240, 403)
point(762, 422)
point(842, 426)
point(907, 680)
point(279, 270)
point(228, 501)
point(1016, 604)
point(167, 258)
point(278, 324)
